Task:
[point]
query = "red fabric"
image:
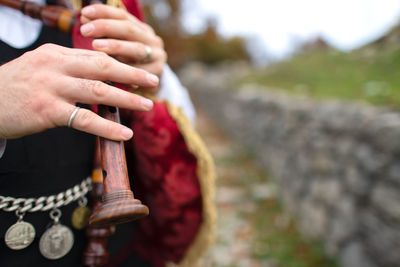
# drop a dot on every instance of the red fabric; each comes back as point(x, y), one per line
point(134, 7)
point(78, 40)
point(165, 179)
point(163, 174)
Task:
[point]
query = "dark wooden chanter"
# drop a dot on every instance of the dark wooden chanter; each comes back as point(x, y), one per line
point(96, 252)
point(119, 204)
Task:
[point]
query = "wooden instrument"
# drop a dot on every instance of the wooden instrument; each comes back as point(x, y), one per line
point(109, 181)
point(118, 205)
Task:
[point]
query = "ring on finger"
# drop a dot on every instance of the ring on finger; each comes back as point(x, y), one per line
point(149, 51)
point(71, 118)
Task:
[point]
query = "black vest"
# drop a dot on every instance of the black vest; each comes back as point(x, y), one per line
point(43, 164)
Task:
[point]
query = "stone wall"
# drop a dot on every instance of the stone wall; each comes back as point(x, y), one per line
point(337, 165)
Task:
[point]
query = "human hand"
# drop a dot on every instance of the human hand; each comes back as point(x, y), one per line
point(39, 91)
point(124, 37)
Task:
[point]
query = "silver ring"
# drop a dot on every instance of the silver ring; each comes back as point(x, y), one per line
point(72, 116)
point(149, 51)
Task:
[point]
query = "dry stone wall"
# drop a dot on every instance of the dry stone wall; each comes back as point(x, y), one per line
point(337, 165)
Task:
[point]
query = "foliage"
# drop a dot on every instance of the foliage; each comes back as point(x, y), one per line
point(207, 47)
point(212, 49)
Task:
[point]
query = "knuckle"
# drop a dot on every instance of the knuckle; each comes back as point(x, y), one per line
point(94, 88)
point(131, 30)
point(43, 56)
point(102, 61)
point(98, 89)
point(47, 46)
point(39, 103)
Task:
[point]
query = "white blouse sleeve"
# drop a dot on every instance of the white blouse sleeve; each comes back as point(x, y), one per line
point(172, 90)
point(18, 30)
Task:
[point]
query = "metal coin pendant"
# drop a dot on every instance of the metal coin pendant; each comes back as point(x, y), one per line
point(20, 235)
point(80, 217)
point(56, 242)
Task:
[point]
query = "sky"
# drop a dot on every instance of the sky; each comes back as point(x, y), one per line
point(277, 26)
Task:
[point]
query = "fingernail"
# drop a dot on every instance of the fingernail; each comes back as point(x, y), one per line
point(147, 103)
point(152, 78)
point(127, 133)
point(100, 43)
point(87, 28)
point(88, 11)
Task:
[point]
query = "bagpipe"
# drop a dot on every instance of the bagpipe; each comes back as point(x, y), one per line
point(175, 169)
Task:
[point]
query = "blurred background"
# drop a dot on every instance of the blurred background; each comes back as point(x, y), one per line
point(352, 39)
point(298, 103)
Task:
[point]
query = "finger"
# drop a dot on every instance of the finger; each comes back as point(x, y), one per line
point(75, 51)
point(117, 29)
point(89, 122)
point(99, 11)
point(96, 92)
point(131, 51)
point(99, 66)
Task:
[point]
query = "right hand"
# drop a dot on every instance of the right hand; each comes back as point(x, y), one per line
point(120, 34)
point(39, 91)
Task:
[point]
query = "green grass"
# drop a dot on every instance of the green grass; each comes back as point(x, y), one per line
point(281, 243)
point(373, 77)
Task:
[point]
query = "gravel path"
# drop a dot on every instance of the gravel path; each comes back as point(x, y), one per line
point(234, 235)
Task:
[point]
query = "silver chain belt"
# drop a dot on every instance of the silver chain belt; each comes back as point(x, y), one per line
point(46, 203)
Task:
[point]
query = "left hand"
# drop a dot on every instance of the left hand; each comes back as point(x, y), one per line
point(124, 37)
